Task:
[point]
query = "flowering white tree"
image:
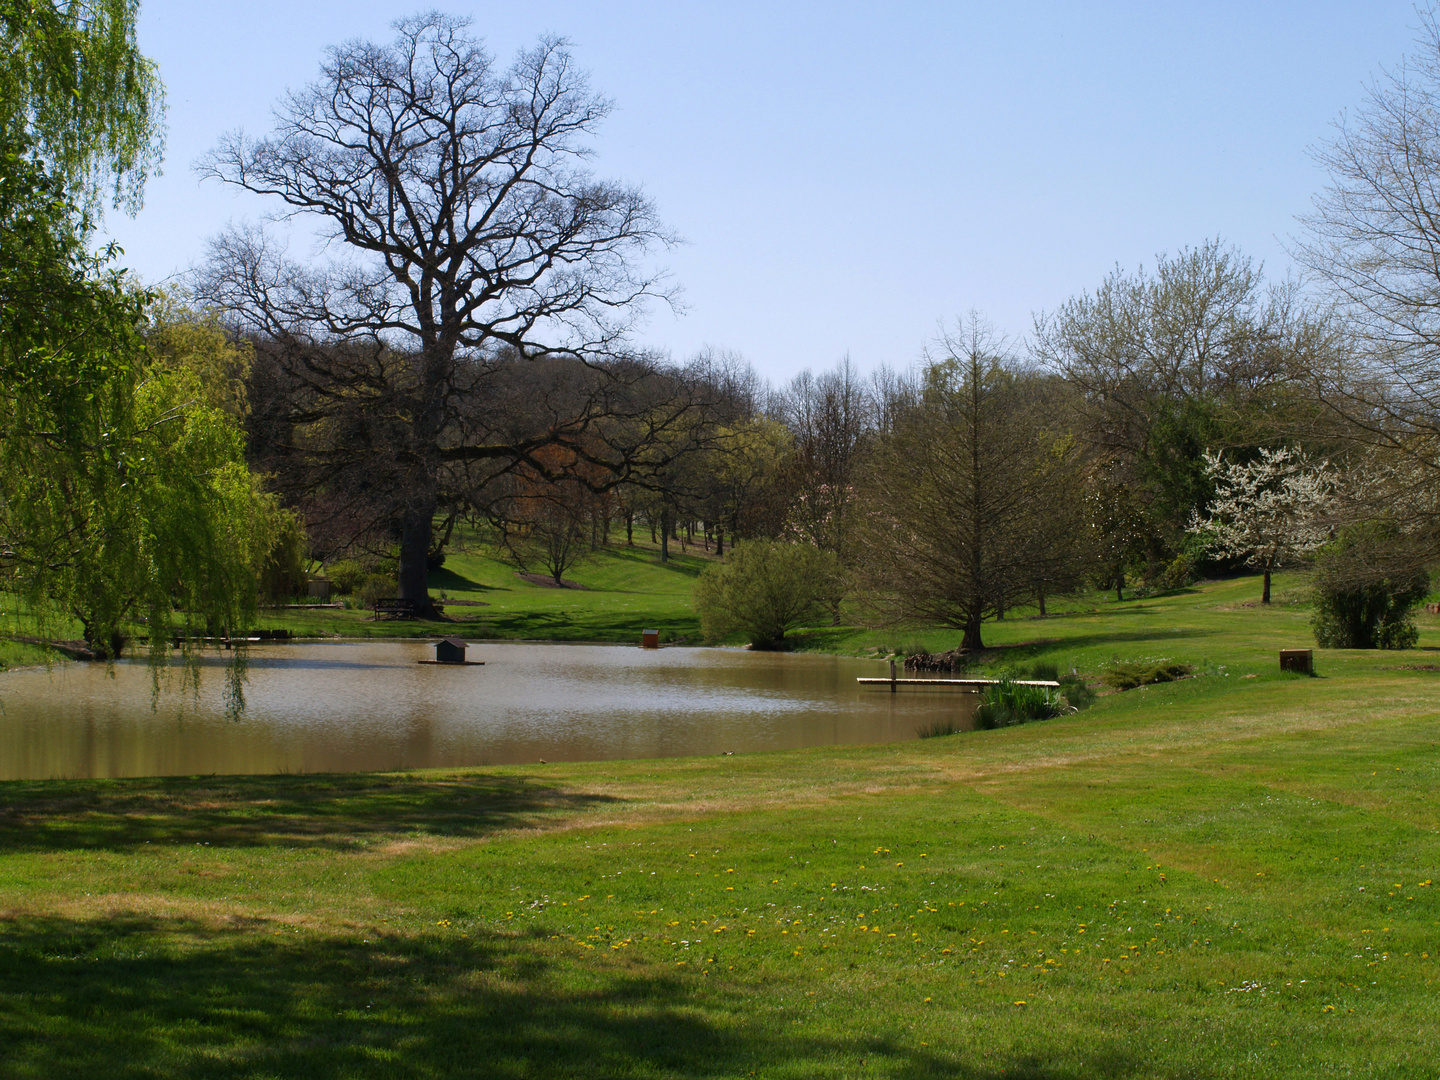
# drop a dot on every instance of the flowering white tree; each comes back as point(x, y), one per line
point(1268, 512)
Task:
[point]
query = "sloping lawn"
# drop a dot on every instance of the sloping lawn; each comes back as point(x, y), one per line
point(622, 591)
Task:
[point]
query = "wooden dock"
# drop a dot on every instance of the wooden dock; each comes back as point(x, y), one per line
point(974, 685)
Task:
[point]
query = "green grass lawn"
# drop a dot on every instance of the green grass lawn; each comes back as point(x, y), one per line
point(1219, 877)
point(623, 590)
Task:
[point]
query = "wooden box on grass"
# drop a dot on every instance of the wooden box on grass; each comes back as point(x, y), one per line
point(1301, 660)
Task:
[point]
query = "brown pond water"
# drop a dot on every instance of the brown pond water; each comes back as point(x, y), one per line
point(354, 706)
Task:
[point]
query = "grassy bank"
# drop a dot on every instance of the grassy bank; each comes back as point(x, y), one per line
point(620, 591)
point(15, 654)
point(1225, 876)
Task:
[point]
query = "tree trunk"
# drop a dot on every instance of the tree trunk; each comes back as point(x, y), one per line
point(1042, 605)
point(719, 540)
point(629, 528)
point(1265, 593)
point(971, 640)
point(664, 536)
point(652, 529)
point(416, 525)
point(1120, 585)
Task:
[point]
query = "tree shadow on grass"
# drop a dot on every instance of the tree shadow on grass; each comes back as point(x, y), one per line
point(1085, 641)
point(335, 811)
point(450, 581)
point(139, 997)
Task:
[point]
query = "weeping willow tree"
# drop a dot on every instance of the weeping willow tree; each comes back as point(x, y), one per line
point(76, 91)
point(124, 495)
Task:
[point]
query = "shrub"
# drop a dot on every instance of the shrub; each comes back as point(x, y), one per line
point(346, 576)
point(389, 563)
point(1076, 691)
point(1128, 675)
point(1367, 585)
point(377, 587)
point(283, 573)
point(1180, 574)
point(938, 728)
point(1006, 703)
point(764, 589)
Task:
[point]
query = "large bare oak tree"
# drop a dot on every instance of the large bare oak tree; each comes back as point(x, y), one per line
point(466, 234)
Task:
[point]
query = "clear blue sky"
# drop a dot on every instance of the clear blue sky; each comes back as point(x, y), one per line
point(848, 175)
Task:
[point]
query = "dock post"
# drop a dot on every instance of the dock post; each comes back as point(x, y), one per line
point(892, 676)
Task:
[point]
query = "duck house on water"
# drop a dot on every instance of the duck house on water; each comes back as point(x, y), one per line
point(450, 651)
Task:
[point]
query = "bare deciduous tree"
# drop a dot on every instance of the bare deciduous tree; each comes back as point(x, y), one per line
point(1374, 240)
point(1201, 327)
point(961, 515)
point(829, 416)
point(469, 231)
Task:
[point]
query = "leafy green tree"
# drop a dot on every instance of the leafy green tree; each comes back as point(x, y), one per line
point(744, 466)
point(1196, 353)
point(1171, 467)
point(283, 573)
point(123, 494)
point(764, 590)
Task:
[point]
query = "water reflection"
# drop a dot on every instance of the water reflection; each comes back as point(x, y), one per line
point(369, 705)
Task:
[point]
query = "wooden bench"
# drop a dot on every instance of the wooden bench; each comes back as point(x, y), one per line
point(399, 609)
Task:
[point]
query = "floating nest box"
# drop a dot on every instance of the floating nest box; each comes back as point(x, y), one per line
point(650, 639)
point(451, 650)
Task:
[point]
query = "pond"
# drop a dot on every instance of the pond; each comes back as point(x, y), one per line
point(356, 706)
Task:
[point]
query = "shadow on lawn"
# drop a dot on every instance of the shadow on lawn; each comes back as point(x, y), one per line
point(100, 999)
point(1084, 641)
point(451, 581)
point(308, 810)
